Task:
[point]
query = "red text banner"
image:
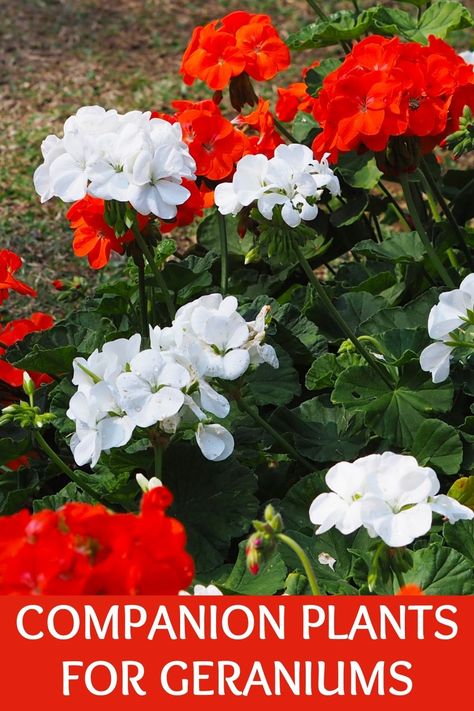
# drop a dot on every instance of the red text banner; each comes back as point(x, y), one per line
point(234, 652)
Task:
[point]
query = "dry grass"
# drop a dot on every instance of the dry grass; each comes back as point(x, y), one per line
point(57, 55)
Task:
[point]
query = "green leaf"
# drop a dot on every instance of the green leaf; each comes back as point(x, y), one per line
point(294, 507)
point(404, 248)
point(351, 211)
point(214, 500)
point(339, 26)
point(438, 445)
point(11, 448)
point(394, 414)
point(274, 387)
point(320, 438)
point(357, 307)
point(359, 171)
point(392, 21)
point(335, 581)
point(460, 536)
point(441, 571)
point(304, 127)
point(316, 75)
point(442, 18)
point(70, 492)
point(402, 345)
point(439, 20)
point(463, 491)
point(411, 315)
point(208, 235)
point(323, 372)
point(270, 579)
point(53, 351)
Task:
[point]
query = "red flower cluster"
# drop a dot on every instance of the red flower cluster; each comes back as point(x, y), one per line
point(85, 549)
point(388, 88)
point(295, 98)
point(93, 237)
point(13, 332)
point(9, 264)
point(261, 120)
point(238, 43)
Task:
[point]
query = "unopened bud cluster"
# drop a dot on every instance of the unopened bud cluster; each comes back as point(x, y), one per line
point(262, 544)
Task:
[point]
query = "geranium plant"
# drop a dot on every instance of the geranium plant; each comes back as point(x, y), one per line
point(297, 386)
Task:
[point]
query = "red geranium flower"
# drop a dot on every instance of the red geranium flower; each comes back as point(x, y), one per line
point(93, 237)
point(265, 53)
point(261, 120)
point(239, 42)
point(12, 333)
point(216, 58)
point(86, 549)
point(214, 143)
point(9, 264)
point(387, 88)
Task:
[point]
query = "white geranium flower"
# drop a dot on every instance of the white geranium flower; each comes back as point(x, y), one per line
point(468, 56)
point(449, 508)
point(292, 179)
point(260, 352)
point(389, 494)
point(449, 314)
point(436, 359)
point(395, 506)
point(123, 349)
point(202, 590)
point(52, 147)
point(130, 158)
point(99, 366)
point(147, 484)
point(96, 429)
point(222, 332)
point(215, 442)
point(342, 506)
point(152, 390)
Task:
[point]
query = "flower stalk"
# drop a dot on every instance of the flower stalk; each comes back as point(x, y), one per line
point(413, 210)
point(224, 252)
point(160, 281)
point(345, 328)
point(282, 441)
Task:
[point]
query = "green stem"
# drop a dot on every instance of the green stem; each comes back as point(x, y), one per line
point(306, 563)
point(282, 441)
point(142, 297)
point(224, 252)
point(425, 169)
point(158, 460)
point(284, 131)
point(345, 328)
point(62, 466)
point(394, 203)
point(399, 578)
point(412, 208)
point(156, 271)
point(373, 572)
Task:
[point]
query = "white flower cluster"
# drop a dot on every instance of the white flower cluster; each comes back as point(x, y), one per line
point(468, 56)
point(167, 385)
point(389, 494)
point(449, 314)
point(293, 178)
point(126, 157)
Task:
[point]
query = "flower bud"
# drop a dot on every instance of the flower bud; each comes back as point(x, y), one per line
point(28, 384)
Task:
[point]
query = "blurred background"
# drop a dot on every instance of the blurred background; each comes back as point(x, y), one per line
point(58, 55)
